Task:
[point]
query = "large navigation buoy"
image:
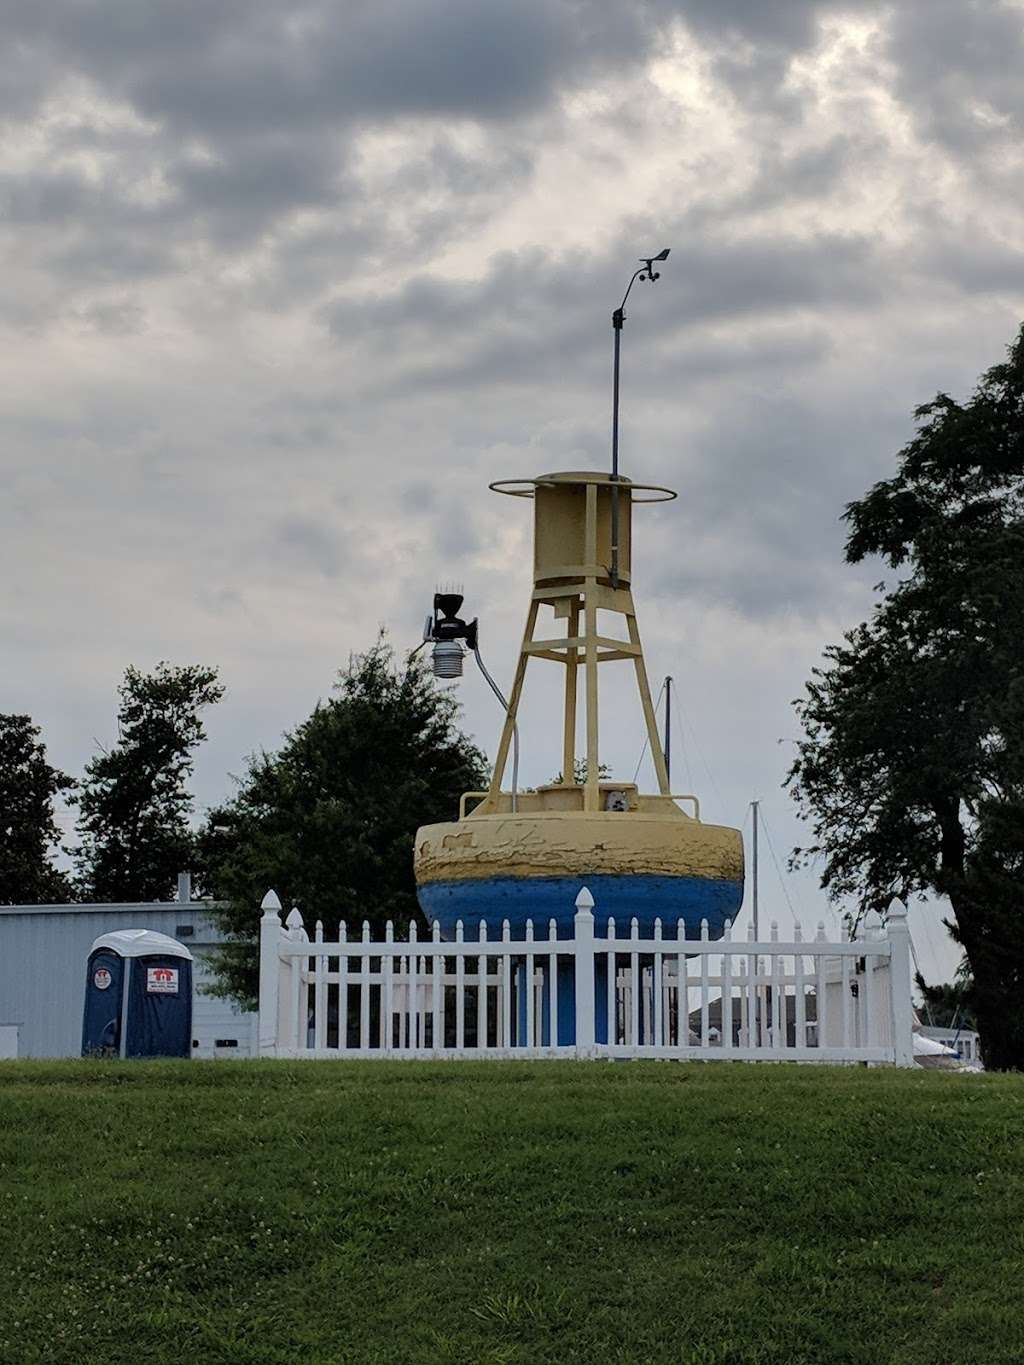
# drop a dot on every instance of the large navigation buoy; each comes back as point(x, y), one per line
point(519, 855)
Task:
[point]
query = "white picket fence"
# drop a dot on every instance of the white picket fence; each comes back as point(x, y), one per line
point(589, 996)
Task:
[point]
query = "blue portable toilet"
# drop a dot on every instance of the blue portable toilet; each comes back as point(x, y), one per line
point(138, 996)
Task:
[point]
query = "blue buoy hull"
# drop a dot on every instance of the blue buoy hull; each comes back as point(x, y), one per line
point(646, 896)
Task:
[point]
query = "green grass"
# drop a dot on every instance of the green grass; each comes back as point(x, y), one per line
point(272, 1212)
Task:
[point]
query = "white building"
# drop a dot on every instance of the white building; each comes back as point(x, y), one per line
point(43, 954)
point(963, 1041)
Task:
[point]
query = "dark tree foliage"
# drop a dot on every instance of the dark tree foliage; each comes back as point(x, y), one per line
point(28, 829)
point(135, 826)
point(911, 773)
point(328, 822)
point(950, 1004)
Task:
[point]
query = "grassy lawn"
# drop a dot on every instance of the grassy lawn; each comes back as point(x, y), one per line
point(206, 1212)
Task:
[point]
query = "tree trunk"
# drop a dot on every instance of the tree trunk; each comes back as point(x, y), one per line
point(990, 926)
point(993, 939)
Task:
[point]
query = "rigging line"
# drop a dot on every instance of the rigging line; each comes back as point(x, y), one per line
point(931, 945)
point(647, 737)
point(515, 729)
point(682, 743)
point(917, 969)
point(960, 989)
point(697, 749)
point(778, 869)
point(829, 907)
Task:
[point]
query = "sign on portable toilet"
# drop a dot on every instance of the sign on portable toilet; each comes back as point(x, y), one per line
point(138, 996)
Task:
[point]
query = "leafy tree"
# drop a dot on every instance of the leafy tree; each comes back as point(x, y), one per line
point(328, 821)
point(951, 1003)
point(912, 769)
point(579, 773)
point(28, 828)
point(135, 807)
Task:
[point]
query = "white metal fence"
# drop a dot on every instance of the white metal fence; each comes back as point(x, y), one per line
point(610, 996)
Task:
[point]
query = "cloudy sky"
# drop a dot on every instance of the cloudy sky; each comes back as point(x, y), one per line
point(287, 285)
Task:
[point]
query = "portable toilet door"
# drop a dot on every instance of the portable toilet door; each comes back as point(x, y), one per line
point(104, 1004)
point(138, 996)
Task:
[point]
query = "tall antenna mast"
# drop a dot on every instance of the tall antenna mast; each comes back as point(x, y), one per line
point(646, 272)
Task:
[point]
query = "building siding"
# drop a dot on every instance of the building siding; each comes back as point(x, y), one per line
point(43, 955)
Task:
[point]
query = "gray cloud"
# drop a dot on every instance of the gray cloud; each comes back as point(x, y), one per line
point(238, 66)
point(777, 24)
point(810, 174)
point(243, 190)
point(249, 110)
point(287, 285)
point(312, 543)
point(972, 261)
point(959, 70)
point(533, 315)
point(763, 490)
point(751, 45)
point(118, 317)
point(236, 70)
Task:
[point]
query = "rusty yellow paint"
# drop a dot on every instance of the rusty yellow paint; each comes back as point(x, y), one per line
point(563, 843)
point(560, 531)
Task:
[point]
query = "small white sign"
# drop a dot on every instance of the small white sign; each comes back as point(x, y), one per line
point(101, 978)
point(162, 980)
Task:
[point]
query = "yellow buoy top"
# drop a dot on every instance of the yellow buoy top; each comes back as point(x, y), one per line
point(560, 552)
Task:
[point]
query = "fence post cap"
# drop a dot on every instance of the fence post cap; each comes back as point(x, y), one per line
point(584, 901)
point(294, 920)
point(897, 911)
point(270, 904)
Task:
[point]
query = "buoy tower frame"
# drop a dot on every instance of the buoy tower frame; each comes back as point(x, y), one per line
point(573, 528)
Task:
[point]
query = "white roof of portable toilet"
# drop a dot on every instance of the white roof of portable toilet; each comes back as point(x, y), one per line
point(141, 943)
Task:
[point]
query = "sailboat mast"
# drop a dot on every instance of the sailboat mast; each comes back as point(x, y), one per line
point(757, 921)
point(668, 731)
